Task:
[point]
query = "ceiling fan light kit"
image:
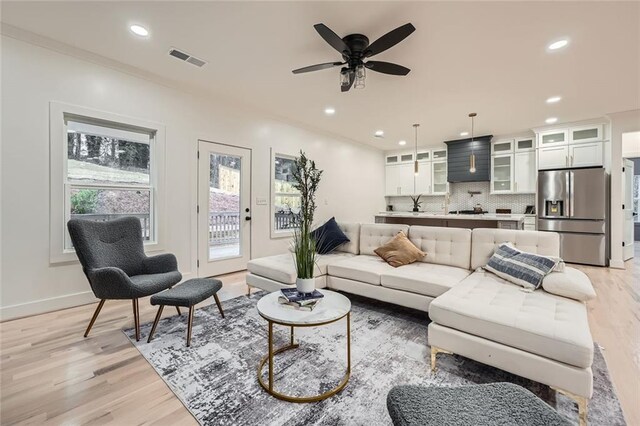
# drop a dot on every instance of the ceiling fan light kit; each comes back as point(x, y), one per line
point(355, 48)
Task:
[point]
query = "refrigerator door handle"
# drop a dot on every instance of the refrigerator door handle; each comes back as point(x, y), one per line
point(567, 200)
point(571, 195)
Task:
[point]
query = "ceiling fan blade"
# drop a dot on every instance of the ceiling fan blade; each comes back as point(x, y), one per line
point(352, 78)
point(317, 67)
point(390, 39)
point(387, 68)
point(333, 39)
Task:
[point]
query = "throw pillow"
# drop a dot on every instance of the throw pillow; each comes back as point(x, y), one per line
point(399, 251)
point(570, 283)
point(328, 237)
point(524, 269)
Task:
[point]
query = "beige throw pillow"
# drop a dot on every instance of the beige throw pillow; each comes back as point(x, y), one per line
point(399, 251)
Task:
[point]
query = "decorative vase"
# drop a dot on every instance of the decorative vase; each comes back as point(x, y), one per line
point(415, 209)
point(305, 285)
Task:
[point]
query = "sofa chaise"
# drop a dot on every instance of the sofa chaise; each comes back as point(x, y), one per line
point(474, 313)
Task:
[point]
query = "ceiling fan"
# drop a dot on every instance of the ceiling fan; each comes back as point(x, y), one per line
point(355, 48)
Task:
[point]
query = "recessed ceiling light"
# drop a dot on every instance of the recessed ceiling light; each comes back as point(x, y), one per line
point(559, 44)
point(329, 111)
point(554, 99)
point(379, 133)
point(139, 30)
point(402, 143)
point(551, 120)
point(464, 133)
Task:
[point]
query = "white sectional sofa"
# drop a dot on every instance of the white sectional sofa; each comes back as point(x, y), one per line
point(474, 313)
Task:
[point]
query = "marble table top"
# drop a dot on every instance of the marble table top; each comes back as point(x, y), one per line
point(332, 307)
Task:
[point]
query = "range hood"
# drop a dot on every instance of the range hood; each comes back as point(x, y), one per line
point(458, 153)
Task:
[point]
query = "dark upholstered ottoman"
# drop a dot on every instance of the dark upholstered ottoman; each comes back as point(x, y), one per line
point(495, 404)
point(187, 294)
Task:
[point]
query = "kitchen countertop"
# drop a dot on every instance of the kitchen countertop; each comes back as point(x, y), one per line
point(484, 216)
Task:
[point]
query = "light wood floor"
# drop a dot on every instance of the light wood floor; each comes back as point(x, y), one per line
point(50, 374)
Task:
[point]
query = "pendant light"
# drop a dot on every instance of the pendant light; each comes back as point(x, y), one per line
point(415, 162)
point(472, 157)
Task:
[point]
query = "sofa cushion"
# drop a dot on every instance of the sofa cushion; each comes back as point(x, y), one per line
point(399, 251)
point(374, 235)
point(281, 267)
point(487, 306)
point(570, 283)
point(444, 246)
point(367, 269)
point(328, 237)
point(352, 231)
point(428, 279)
point(521, 268)
point(484, 241)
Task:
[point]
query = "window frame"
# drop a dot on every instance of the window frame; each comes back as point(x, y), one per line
point(60, 187)
point(283, 233)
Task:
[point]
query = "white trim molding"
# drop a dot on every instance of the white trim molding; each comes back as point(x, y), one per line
point(58, 114)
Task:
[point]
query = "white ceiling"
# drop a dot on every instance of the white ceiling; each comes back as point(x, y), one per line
point(486, 57)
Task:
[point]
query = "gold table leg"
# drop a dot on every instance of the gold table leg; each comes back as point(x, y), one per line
point(269, 358)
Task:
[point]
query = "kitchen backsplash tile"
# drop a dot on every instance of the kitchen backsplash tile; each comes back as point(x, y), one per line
point(460, 199)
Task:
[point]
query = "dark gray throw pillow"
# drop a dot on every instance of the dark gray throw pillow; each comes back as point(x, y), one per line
point(328, 237)
point(519, 267)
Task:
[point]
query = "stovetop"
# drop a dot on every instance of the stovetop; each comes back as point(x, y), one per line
point(467, 212)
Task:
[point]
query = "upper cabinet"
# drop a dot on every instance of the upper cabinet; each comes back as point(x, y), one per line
point(525, 144)
point(502, 147)
point(554, 137)
point(592, 133)
point(401, 180)
point(572, 147)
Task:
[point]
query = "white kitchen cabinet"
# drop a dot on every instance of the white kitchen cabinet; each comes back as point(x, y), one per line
point(439, 154)
point(392, 159)
point(553, 138)
point(582, 134)
point(423, 155)
point(423, 180)
point(524, 174)
point(553, 157)
point(502, 147)
point(439, 177)
point(399, 179)
point(525, 144)
point(585, 154)
point(529, 223)
point(502, 173)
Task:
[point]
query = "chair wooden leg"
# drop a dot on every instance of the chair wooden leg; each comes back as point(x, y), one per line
point(189, 326)
point(215, 296)
point(136, 318)
point(95, 316)
point(155, 323)
point(248, 290)
point(178, 309)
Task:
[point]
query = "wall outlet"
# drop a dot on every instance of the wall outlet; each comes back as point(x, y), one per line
point(261, 201)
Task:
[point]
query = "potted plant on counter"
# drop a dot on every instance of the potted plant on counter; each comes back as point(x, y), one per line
point(306, 178)
point(416, 202)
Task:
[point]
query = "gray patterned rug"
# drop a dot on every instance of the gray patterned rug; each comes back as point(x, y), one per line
point(216, 378)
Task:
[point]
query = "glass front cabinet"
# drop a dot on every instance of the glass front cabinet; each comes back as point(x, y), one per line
point(502, 173)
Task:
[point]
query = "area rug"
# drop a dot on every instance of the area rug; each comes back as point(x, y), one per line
point(216, 378)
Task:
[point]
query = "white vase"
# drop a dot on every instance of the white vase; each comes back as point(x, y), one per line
point(305, 285)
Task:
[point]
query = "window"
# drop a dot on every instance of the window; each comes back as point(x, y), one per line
point(108, 168)
point(285, 200)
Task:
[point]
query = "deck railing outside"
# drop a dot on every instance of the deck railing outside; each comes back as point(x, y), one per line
point(145, 220)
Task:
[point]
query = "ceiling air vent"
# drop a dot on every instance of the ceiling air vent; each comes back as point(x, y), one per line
point(183, 56)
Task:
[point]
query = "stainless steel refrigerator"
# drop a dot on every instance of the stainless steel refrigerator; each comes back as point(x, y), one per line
point(575, 203)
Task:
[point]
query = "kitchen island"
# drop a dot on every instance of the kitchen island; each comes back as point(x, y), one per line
point(452, 220)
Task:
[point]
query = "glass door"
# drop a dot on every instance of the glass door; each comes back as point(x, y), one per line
point(224, 216)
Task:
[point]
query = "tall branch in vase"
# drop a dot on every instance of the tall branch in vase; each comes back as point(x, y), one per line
point(306, 178)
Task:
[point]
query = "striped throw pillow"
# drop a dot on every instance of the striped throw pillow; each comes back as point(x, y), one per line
point(521, 268)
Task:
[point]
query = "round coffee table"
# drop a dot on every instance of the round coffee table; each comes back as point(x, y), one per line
point(333, 307)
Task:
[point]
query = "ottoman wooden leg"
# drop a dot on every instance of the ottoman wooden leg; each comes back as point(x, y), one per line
point(215, 296)
point(155, 323)
point(189, 326)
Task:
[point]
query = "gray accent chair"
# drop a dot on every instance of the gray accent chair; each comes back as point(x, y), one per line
point(113, 260)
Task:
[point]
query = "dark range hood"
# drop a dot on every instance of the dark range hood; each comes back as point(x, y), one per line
point(458, 153)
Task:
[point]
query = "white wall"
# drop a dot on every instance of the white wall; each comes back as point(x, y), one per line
point(32, 76)
point(621, 123)
point(631, 145)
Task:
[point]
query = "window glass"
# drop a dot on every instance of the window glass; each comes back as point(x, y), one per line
point(286, 197)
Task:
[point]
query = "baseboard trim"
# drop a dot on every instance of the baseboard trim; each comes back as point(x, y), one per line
point(617, 264)
point(46, 305)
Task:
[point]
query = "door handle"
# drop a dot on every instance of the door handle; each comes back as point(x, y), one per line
point(247, 218)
